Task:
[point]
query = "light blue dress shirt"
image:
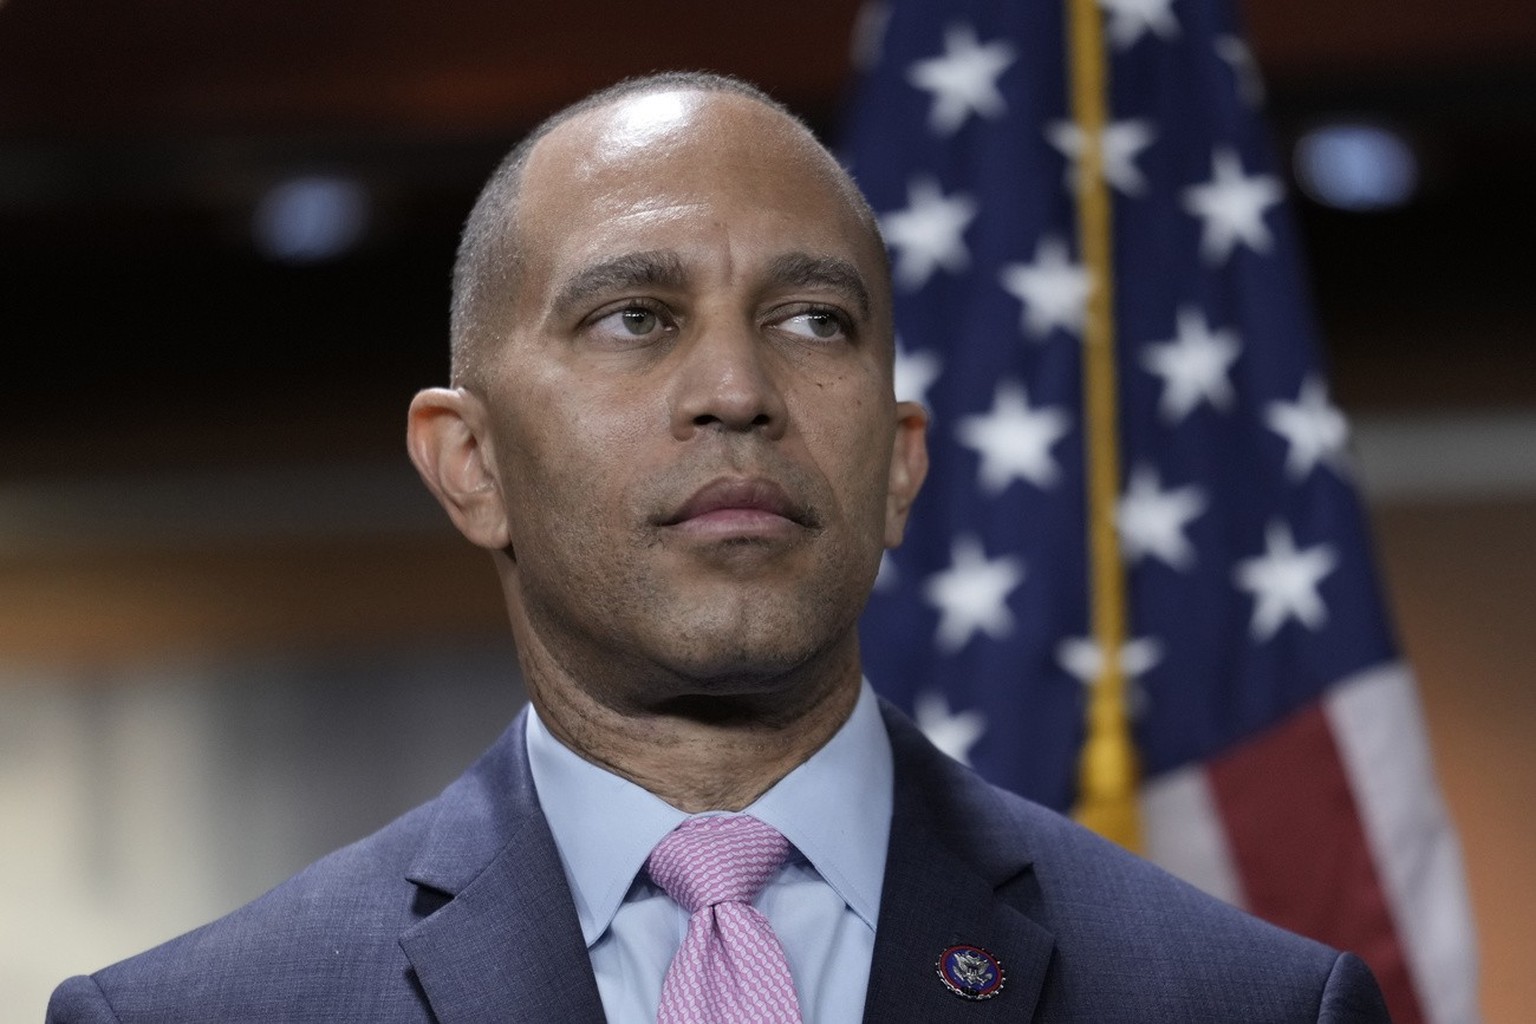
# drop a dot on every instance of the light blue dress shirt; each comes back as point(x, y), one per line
point(835, 809)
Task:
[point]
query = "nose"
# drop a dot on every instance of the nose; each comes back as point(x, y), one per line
point(727, 379)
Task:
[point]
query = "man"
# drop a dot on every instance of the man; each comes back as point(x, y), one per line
point(673, 427)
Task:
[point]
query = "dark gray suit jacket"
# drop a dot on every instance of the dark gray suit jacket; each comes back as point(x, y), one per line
point(458, 912)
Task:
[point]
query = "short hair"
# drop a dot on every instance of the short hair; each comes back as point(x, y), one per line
point(486, 263)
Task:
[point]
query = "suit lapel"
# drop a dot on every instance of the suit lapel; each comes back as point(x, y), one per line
point(946, 875)
point(506, 946)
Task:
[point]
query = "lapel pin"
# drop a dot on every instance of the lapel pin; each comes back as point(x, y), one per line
point(970, 972)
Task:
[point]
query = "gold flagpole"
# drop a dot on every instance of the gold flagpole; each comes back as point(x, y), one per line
point(1108, 769)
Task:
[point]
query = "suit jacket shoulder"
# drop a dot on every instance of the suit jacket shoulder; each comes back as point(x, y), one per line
point(450, 913)
point(1084, 930)
point(342, 915)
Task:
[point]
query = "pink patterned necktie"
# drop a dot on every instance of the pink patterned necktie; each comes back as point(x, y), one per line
point(730, 967)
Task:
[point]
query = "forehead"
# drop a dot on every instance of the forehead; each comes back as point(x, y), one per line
point(676, 169)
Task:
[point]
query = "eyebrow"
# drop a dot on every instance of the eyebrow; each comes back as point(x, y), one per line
point(664, 269)
point(803, 270)
point(630, 270)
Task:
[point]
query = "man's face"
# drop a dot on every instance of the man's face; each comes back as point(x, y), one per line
point(690, 417)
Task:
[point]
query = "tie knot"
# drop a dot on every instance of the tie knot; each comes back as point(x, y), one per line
point(705, 861)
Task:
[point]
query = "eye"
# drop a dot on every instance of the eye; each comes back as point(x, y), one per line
point(630, 324)
point(818, 324)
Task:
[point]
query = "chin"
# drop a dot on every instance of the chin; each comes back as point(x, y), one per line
point(734, 668)
point(759, 651)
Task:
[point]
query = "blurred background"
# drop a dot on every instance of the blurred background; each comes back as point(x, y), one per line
point(236, 633)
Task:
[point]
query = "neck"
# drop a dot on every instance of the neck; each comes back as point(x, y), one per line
point(699, 753)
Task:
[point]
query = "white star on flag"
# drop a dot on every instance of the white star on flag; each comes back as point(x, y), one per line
point(914, 374)
point(972, 594)
point(1053, 289)
point(1152, 521)
point(1312, 426)
point(1014, 440)
point(1120, 144)
point(1232, 206)
point(1284, 582)
point(1193, 365)
point(964, 80)
point(926, 235)
point(1083, 658)
point(886, 575)
point(953, 732)
point(1129, 20)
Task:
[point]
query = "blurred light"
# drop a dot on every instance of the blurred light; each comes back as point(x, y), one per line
point(1356, 167)
point(310, 219)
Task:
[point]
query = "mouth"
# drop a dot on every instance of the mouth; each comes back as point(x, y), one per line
point(738, 507)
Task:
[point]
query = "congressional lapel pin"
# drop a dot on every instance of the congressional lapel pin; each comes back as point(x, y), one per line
point(970, 972)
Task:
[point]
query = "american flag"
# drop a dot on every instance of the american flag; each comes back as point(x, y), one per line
point(1284, 758)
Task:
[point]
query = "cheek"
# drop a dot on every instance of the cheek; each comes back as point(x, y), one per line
point(570, 467)
point(855, 460)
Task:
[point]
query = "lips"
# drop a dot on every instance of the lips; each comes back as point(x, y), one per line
point(736, 502)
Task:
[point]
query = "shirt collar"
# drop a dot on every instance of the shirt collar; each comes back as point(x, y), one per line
point(835, 809)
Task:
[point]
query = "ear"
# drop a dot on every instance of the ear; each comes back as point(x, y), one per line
point(450, 445)
point(909, 467)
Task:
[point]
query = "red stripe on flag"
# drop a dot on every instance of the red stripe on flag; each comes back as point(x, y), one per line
point(1300, 847)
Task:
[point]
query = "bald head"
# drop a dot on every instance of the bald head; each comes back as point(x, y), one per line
point(655, 109)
